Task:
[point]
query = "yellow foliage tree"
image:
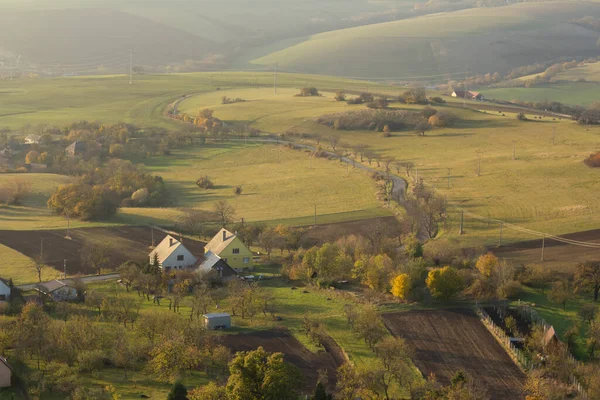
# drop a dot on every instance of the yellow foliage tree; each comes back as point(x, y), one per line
point(401, 286)
point(487, 264)
point(32, 157)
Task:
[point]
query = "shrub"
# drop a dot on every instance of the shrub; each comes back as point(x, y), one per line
point(437, 100)
point(308, 91)
point(374, 120)
point(428, 112)
point(593, 161)
point(205, 183)
point(381, 102)
point(521, 117)
point(238, 190)
point(356, 100)
point(442, 119)
point(340, 96)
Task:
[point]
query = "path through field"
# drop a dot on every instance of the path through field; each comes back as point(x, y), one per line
point(448, 341)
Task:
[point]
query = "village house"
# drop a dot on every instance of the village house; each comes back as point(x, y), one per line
point(215, 268)
point(5, 373)
point(57, 290)
point(467, 95)
point(231, 249)
point(5, 290)
point(172, 255)
point(75, 149)
point(32, 139)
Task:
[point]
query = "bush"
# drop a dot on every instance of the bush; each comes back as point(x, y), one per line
point(356, 100)
point(205, 183)
point(340, 96)
point(428, 112)
point(381, 102)
point(593, 161)
point(437, 100)
point(374, 120)
point(237, 190)
point(308, 91)
point(521, 117)
point(442, 119)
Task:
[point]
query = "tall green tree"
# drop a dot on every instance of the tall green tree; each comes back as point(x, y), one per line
point(178, 392)
point(259, 375)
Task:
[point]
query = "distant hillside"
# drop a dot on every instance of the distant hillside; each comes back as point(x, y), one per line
point(442, 45)
point(79, 40)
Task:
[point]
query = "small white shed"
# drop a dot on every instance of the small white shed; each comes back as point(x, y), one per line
point(217, 321)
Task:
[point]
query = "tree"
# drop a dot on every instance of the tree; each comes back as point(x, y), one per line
point(334, 140)
point(225, 212)
point(129, 272)
point(422, 127)
point(96, 256)
point(32, 157)
point(14, 191)
point(561, 293)
point(401, 286)
point(178, 392)
point(340, 96)
point(348, 382)
point(587, 276)
point(212, 391)
point(539, 277)
point(320, 393)
point(487, 264)
point(39, 265)
point(204, 182)
point(444, 283)
point(587, 312)
point(172, 356)
point(258, 375)
point(237, 190)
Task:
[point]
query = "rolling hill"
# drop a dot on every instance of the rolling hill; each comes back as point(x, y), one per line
point(443, 45)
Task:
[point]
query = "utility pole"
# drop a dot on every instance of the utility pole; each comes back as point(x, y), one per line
point(417, 175)
point(448, 178)
point(553, 134)
point(131, 67)
point(500, 239)
point(152, 236)
point(242, 222)
point(466, 78)
point(462, 219)
point(65, 268)
point(543, 246)
point(275, 79)
point(479, 166)
point(514, 150)
point(68, 237)
point(315, 221)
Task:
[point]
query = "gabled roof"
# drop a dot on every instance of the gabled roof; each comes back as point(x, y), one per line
point(33, 137)
point(75, 147)
point(220, 242)
point(165, 248)
point(49, 287)
point(7, 283)
point(216, 315)
point(3, 361)
point(213, 262)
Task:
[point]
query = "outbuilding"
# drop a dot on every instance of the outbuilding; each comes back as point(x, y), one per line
point(5, 290)
point(217, 321)
point(5, 373)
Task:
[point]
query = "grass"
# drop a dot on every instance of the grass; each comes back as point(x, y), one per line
point(110, 99)
point(547, 188)
point(573, 93)
point(439, 46)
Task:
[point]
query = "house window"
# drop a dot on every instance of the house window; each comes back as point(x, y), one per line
point(246, 260)
point(236, 251)
point(180, 257)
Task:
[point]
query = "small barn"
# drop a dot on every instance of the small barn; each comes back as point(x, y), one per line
point(217, 321)
point(467, 94)
point(5, 290)
point(58, 290)
point(5, 373)
point(215, 268)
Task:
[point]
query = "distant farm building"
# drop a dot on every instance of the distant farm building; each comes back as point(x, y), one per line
point(32, 139)
point(217, 321)
point(57, 290)
point(467, 95)
point(231, 249)
point(75, 149)
point(172, 255)
point(5, 373)
point(5, 290)
point(215, 268)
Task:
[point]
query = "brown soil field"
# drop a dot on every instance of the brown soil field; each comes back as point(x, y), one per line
point(331, 232)
point(128, 243)
point(557, 255)
point(280, 340)
point(447, 341)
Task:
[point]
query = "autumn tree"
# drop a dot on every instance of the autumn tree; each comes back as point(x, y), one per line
point(340, 96)
point(258, 375)
point(171, 357)
point(422, 127)
point(401, 286)
point(225, 212)
point(212, 391)
point(444, 283)
point(561, 293)
point(487, 264)
point(129, 273)
point(96, 256)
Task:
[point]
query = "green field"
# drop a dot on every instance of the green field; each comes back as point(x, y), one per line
point(440, 46)
point(61, 101)
point(574, 93)
point(547, 187)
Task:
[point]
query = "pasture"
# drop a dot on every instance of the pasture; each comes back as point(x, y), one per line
point(448, 341)
point(572, 93)
point(440, 46)
point(546, 188)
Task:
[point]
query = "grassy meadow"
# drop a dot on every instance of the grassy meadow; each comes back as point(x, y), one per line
point(546, 188)
point(442, 45)
point(572, 93)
